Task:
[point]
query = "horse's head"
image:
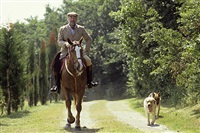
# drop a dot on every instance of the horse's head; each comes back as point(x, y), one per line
point(77, 54)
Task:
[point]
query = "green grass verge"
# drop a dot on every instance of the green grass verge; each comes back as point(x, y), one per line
point(47, 118)
point(51, 119)
point(185, 120)
point(106, 122)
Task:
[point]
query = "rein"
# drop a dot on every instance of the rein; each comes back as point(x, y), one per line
point(74, 76)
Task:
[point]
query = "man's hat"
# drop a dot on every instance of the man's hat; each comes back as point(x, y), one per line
point(72, 14)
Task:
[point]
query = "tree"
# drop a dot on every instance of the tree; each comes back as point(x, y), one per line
point(138, 20)
point(12, 65)
point(31, 72)
point(159, 42)
point(43, 80)
point(37, 31)
point(52, 50)
point(188, 78)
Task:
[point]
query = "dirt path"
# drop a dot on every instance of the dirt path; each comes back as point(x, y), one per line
point(87, 123)
point(85, 115)
point(125, 114)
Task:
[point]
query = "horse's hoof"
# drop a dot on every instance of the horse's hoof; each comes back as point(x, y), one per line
point(71, 121)
point(67, 126)
point(77, 128)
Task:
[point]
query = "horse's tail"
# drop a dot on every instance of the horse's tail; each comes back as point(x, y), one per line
point(55, 65)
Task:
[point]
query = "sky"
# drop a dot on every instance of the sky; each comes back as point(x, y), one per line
point(17, 10)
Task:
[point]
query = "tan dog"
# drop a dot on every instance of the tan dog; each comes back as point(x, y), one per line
point(150, 108)
point(157, 97)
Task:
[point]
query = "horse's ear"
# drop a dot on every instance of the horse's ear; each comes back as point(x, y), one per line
point(80, 41)
point(69, 41)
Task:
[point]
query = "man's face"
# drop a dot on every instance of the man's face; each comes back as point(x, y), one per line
point(72, 20)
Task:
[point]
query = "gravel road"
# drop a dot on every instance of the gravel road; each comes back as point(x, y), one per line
point(123, 112)
point(87, 123)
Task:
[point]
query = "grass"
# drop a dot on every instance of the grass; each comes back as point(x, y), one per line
point(185, 120)
point(45, 118)
point(106, 122)
point(51, 118)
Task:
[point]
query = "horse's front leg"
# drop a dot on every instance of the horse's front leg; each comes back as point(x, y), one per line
point(70, 118)
point(78, 109)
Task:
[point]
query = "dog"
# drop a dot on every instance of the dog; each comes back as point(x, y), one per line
point(157, 97)
point(150, 108)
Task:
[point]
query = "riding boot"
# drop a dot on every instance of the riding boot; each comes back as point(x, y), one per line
point(56, 88)
point(56, 69)
point(89, 78)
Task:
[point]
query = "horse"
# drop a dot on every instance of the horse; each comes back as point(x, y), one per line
point(74, 80)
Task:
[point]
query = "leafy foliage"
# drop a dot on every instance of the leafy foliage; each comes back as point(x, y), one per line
point(138, 47)
point(12, 55)
point(162, 54)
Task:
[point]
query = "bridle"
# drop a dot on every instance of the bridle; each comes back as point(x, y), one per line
point(77, 48)
point(78, 62)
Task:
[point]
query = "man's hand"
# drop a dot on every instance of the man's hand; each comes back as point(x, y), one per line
point(67, 44)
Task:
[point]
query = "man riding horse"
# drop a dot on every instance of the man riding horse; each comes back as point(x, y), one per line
point(74, 32)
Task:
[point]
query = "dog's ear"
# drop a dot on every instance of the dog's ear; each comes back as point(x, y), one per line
point(159, 93)
point(153, 94)
point(150, 95)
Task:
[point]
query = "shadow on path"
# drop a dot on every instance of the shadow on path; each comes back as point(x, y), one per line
point(82, 130)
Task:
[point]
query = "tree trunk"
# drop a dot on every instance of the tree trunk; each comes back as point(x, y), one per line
point(8, 92)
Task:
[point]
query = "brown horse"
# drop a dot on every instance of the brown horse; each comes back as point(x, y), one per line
point(74, 80)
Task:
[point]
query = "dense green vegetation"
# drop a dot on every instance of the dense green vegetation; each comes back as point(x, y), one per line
point(138, 47)
point(163, 56)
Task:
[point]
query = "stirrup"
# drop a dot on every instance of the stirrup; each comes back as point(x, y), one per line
point(92, 84)
point(55, 89)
